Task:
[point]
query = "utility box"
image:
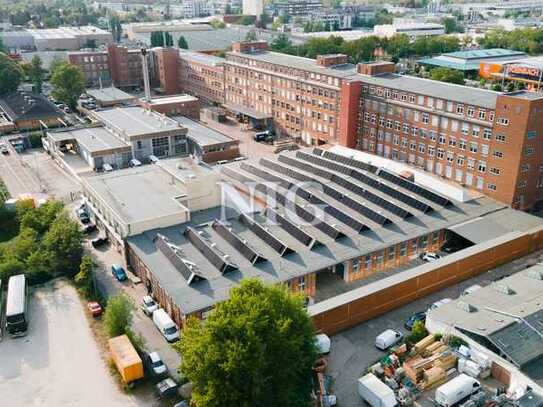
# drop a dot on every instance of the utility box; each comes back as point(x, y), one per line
point(126, 359)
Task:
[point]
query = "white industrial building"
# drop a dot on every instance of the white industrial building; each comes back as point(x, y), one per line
point(253, 7)
point(412, 29)
point(56, 39)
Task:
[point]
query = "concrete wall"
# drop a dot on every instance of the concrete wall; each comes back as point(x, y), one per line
point(364, 303)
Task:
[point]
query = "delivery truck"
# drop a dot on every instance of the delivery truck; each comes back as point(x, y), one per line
point(456, 390)
point(126, 359)
point(376, 393)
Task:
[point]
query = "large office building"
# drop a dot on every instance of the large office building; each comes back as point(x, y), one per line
point(485, 140)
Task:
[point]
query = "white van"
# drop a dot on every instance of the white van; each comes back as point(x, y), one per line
point(165, 325)
point(456, 390)
point(388, 338)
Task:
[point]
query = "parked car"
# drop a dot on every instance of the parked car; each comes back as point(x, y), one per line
point(156, 365)
point(83, 216)
point(148, 305)
point(99, 241)
point(166, 388)
point(89, 228)
point(439, 303)
point(165, 325)
point(94, 308)
point(430, 256)
point(118, 272)
point(4, 148)
point(418, 316)
point(262, 135)
point(388, 338)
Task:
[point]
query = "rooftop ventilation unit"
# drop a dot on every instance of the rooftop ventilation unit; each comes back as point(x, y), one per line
point(535, 273)
point(464, 306)
point(503, 288)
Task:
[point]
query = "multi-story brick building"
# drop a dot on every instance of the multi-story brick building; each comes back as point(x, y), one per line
point(117, 65)
point(302, 96)
point(488, 141)
point(202, 75)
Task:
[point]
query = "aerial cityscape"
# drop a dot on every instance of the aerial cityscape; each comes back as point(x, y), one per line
point(306, 203)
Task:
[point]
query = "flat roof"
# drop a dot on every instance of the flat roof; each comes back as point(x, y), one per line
point(292, 61)
point(139, 193)
point(467, 64)
point(110, 95)
point(484, 53)
point(304, 259)
point(201, 134)
point(92, 139)
point(135, 120)
point(200, 57)
point(504, 312)
point(436, 89)
point(165, 100)
point(525, 94)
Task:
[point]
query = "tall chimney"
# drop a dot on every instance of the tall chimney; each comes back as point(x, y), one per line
point(145, 75)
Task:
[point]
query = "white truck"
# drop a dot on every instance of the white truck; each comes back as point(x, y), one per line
point(376, 393)
point(456, 390)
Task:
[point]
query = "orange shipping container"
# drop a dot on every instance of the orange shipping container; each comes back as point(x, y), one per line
point(126, 358)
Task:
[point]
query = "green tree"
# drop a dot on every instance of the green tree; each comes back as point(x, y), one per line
point(36, 73)
point(118, 315)
point(168, 39)
point(251, 35)
point(11, 74)
point(157, 39)
point(451, 25)
point(84, 278)
point(255, 349)
point(447, 75)
point(418, 332)
point(24, 244)
point(41, 218)
point(10, 268)
point(64, 241)
point(217, 24)
point(182, 43)
point(68, 83)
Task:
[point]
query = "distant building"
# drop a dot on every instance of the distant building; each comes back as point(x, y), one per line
point(528, 71)
point(253, 7)
point(117, 66)
point(27, 111)
point(297, 7)
point(56, 39)
point(470, 61)
point(413, 30)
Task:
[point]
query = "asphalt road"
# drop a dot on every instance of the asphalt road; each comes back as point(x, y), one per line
point(19, 179)
point(58, 363)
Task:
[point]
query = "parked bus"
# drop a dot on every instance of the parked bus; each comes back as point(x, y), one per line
point(16, 314)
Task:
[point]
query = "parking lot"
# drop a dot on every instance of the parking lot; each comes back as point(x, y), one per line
point(59, 362)
point(104, 258)
point(353, 350)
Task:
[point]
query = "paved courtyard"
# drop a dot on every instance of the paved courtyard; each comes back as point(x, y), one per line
point(58, 363)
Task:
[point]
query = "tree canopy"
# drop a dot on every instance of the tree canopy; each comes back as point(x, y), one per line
point(47, 243)
point(118, 315)
point(36, 73)
point(68, 83)
point(447, 75)
point(11, 74)
point(182, 43)
point(255, 349)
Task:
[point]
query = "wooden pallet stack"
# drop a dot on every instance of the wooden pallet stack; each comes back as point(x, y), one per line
point(429, 367)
